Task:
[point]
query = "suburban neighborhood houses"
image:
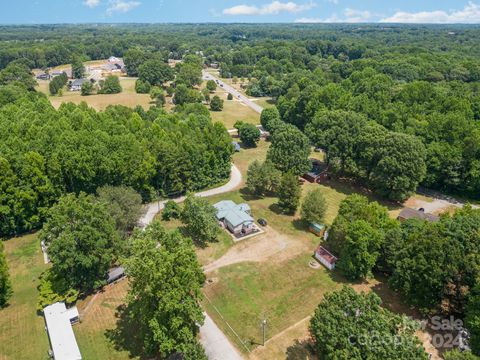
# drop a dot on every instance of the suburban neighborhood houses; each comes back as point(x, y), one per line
point(238, 189)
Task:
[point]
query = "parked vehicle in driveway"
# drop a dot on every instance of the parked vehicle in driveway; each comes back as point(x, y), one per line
point(262, 222)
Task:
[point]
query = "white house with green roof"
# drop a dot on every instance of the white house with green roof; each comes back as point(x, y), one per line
point(236, 218)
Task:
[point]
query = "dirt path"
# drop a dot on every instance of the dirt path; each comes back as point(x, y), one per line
point(259, 249)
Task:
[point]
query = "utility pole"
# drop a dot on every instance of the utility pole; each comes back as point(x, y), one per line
point(264, 325)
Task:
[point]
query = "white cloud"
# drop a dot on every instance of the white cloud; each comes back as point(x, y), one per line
point(305, 20)
point(91, 3)
point(352, 15)
point(349, 16)
point(121, 6)
point(335, 2)
point(470, 14)
point(275, 7)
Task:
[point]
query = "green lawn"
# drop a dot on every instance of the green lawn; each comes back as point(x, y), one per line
point(265, 102)
point(128, 97)
point(22, 331)
point(99, 321)
point(283, 293)
point(233, 111)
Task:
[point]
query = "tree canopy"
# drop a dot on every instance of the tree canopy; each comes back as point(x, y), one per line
point(314, 207)
point(155, 72)
point(200, 221)
point(82, 241)
point(45, 153)
point(165, 290)
point(347, 325)
point(124, 205)
point(290, 150)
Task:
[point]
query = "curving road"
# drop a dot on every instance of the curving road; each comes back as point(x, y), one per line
point(216, 344)
point(154, 208)
point(236, 94)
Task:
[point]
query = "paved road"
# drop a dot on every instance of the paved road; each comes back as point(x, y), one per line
point(154, 208)
point(216, 344)
point(236, 94)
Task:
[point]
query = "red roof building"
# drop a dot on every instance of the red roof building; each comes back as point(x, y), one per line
point(325, 257)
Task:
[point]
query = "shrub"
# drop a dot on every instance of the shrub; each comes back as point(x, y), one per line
point(142, 87)
point(171, 211)
point(216, 104)
point(249, 134)
point(111, 85)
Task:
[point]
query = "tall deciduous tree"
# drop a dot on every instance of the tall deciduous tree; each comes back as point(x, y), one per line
point(133, 59)
point(347, 325)
point(263, 178)
point(211, 86)
point(216, 104)
point(359, 236)
point(290, 150)
point(268, 117)
point(289, 193)
point(165, 290)
point(81, 239)
point(111, 85)
point(155, 72)
point(189, 74)
point(78, 70)
point(199, 217)
point(360, 250)
point(314, 207)
point(124, 205)
point(249, 135)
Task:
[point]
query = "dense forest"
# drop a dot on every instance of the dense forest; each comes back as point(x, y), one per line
point(417, 80)
point(45, 153)
point(393, 107)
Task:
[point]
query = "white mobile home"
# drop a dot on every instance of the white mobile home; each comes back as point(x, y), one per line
point(59, 322)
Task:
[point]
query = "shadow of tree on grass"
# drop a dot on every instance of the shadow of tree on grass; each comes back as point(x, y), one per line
point(127, 335)
point(300, 350)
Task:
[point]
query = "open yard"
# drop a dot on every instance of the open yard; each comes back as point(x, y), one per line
point(233, 110)
point(98, 313)
point(128, 97)
point(264, 277)
point(22, 330)
point(283, 293)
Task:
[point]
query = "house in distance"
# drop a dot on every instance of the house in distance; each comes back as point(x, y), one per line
point(408, 213)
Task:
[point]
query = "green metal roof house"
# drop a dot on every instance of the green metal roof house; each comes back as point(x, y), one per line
point(236, 218)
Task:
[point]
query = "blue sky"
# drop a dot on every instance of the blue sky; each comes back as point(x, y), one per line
point(94, 11)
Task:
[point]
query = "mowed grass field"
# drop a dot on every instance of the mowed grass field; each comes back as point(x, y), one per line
point(22, 331)
point(128, 97)
point(233, 111)
point(99, 315)
point(283, 293)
